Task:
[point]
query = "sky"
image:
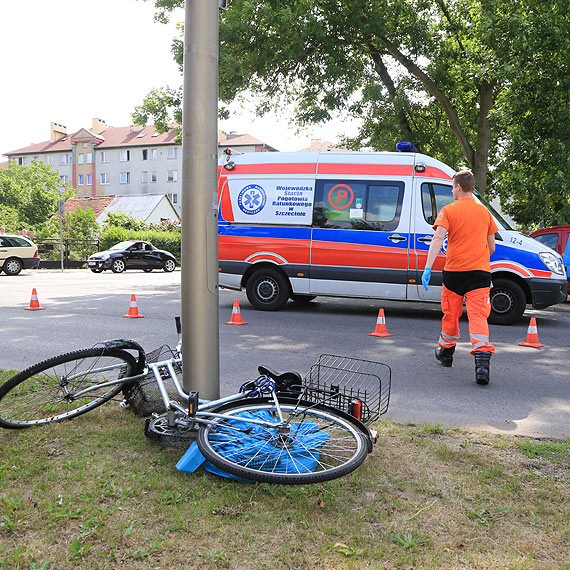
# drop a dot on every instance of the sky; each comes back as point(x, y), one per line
point(68, 61)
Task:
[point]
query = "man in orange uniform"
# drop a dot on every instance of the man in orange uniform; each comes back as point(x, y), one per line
point(470, 230)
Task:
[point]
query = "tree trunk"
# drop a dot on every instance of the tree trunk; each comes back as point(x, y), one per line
point(392, 93)
point(481, 154)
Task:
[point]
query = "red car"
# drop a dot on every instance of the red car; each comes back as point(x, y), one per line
point(558, 238)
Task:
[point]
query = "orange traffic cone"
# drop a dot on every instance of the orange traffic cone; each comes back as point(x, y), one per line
point(380, 329)
point(34, 303)
point(532, 335)
point(133, 310)
point(236, 316)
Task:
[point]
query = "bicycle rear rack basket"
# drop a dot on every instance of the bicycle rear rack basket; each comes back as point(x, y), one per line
point(342, 381)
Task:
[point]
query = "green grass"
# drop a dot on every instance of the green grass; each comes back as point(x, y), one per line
point(93, 493)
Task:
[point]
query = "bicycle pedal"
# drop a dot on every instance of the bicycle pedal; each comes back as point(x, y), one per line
point(192, 403)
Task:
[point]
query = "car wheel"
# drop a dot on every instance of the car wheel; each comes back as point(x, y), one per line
point(268, 289)
point(12, 266)
point(169, 265)
point(96, 269)
point(508, 302)
point(118, 266)
point(147, 269)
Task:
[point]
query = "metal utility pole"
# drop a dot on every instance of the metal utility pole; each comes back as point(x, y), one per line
point(199, 292)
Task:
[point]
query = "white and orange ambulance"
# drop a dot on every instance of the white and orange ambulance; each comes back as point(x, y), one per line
point(295, 225)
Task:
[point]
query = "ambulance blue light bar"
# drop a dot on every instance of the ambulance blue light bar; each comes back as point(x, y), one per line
point(406, 146)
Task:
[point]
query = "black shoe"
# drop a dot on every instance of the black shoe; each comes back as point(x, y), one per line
point(445, 355)
point(482, 365)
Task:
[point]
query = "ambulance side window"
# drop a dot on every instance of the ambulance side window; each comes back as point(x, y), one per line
point(434, 198)
point(358, 205)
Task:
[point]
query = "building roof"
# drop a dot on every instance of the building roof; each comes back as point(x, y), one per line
point(321, 145)
point(139, 206)
point(4, 164)
point(234, 139)
point(111, 137)
point(98, 204)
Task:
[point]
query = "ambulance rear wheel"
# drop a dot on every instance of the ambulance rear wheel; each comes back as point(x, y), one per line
point(508, 302)
point(268, 289)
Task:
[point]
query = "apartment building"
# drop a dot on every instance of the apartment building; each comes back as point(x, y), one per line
point(121, 161)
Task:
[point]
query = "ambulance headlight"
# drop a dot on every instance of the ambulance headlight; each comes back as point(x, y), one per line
point(552, 262)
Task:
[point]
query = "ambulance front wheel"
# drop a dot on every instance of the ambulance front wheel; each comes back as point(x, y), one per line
point(508, 302)
point(268, 289)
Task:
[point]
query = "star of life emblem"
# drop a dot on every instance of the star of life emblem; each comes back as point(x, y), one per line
point(251, 200)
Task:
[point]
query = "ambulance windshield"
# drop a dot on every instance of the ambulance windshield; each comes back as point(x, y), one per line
point(501, 222)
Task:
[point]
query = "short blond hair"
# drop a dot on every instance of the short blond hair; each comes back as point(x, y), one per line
point(465, 179)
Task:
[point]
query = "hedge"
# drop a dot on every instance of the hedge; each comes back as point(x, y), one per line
point(169, 241)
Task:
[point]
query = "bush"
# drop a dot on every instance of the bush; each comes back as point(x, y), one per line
point(169, 241)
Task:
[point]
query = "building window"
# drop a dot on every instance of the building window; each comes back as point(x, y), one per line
point(88, 158)
point(89, 180)
point(145, 176)
point(172, 176)
point(105, 178)
point(153, 177)
point(37, 158)
point(125, 177)
point(84, 145)
point(173, 198)
point(145, 153)
point(173, 152)
point(64, 178)
point(153, 154)
point(64, 159)
point(22, 160)
point(81, 179)
point(80, 158)
point(103, 156)
point(125, 155)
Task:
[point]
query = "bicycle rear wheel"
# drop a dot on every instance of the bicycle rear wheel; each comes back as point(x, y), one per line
point(314, 443)
point(46, 391)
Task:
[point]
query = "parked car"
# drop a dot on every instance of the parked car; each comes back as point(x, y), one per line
point(17, 253)
point(557, 238)
point(131, 255)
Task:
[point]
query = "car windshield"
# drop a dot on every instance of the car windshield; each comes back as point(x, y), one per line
point(122, 245)
point(498, 218)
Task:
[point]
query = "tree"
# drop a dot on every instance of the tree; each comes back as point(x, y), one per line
point(452, 76)
point(32, 192)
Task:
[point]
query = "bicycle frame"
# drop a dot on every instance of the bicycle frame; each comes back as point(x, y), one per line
point(202, 412)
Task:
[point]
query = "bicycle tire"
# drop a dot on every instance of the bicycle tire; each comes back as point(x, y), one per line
point(321, 445)
point(32, 398)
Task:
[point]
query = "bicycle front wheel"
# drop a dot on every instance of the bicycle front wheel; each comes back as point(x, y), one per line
point(46, 392)
point(312, 444)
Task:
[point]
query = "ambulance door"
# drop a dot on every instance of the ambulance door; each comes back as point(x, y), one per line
point(360, 238)
point(430, 196)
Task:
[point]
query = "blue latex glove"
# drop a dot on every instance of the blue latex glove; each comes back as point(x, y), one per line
point(426, 276)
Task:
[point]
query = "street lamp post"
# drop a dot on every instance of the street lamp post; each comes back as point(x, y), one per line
point(199, 289)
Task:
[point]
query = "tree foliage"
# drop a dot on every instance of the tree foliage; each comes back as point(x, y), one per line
point(29, 194)
point(476, 82)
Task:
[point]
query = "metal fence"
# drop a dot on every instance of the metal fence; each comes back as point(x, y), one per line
point(75, 252)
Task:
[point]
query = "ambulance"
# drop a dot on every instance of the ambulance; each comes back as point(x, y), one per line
point(297, 225)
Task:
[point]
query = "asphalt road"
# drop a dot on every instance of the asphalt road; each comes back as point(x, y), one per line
point(529, 393)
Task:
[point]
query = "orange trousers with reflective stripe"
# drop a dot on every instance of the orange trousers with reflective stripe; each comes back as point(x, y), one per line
point(478, 310)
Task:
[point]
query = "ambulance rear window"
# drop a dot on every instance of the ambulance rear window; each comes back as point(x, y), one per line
point(359, 205)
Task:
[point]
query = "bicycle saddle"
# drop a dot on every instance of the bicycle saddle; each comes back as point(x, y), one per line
point(284, 382)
